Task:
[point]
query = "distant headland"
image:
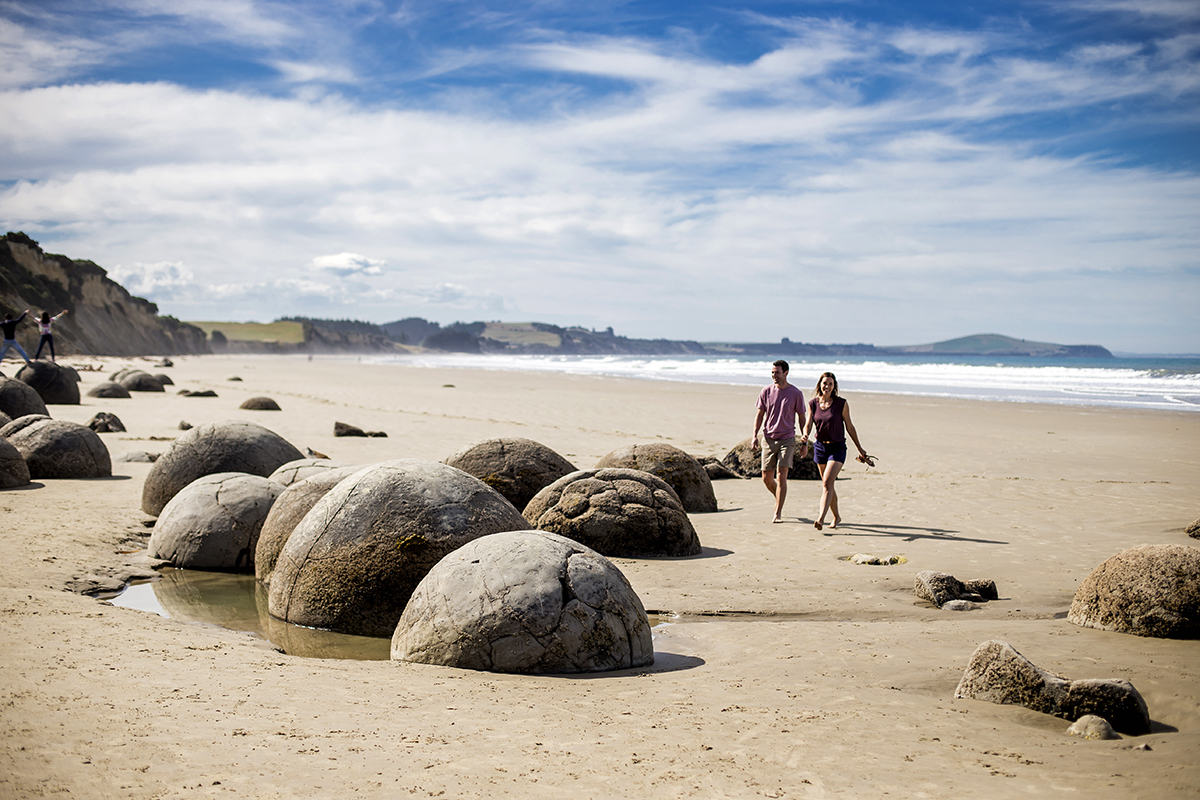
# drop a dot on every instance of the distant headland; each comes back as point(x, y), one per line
point(106, 319)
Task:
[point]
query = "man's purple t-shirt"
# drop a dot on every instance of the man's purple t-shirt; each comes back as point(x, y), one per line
point(782, 406)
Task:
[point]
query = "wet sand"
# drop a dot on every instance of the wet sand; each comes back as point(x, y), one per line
point(789, 672)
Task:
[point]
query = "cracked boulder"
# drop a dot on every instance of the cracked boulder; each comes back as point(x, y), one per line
point(617, 512)
point(213, 523)
point(352, 562)
point(683, 473)
point(997, 673)
point(19, 399)
point(525, 602)
point(1149, 590)
point(301, 468)
point(230, 446)
point(293, 505)
point(55, 448)
point(109, 389)
point(515, 467)
point(54, 384)
point(743, 460)
point(13, 469)
point(941, 588)
point(106, 422)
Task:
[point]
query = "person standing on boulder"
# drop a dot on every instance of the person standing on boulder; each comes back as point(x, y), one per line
point(47, 337)
point(10, 335)
point(778, 405)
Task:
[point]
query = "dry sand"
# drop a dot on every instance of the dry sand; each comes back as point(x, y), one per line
point(833, 681)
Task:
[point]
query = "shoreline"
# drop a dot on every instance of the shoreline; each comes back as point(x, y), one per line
point(840, 684)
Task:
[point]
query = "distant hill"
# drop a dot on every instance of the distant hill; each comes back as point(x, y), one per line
point(995, 344)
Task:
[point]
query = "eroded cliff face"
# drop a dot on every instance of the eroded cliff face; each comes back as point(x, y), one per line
point(104, 319)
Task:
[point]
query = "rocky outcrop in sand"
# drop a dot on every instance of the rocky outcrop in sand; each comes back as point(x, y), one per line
point(106, 422)
point(213, 523)
point(616, 512)
point(515, 467)
point(941, 588)
point(527, 602)
point(1150, 590)
point(352, 562)
point(683, 473)
point(997, 673)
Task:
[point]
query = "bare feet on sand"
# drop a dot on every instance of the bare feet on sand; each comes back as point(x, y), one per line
point(777, 520)
point(836, 522)
point(818, 525)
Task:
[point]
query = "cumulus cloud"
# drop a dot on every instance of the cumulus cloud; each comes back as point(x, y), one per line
point(161, 280)
point(347, 264)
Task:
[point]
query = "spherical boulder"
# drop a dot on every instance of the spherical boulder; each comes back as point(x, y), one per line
point(136, 380)
point(54, 384)
point(1149, 590)
point(55, 448)
point(213, 523)
point(516, 468)
point(684, 474)
point(617, 512)
point(747, 462)
point(298, 470)
point(18, 399)
point(290, 507)
point(163, 379)
point(109, 389)
point(354, 559)
point(260, 404)
point(13, 469)
point(229, 446)
point(527, 602)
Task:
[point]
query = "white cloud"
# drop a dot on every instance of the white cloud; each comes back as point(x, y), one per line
point(162, 279)
point(346, 264)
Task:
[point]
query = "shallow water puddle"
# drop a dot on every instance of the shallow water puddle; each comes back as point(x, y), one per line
point(239, 603)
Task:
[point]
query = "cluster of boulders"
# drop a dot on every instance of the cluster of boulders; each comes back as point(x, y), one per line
point(946, 591)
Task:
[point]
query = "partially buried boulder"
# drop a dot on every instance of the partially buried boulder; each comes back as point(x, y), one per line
point(18, 399)
point(682, 472)
point(140, 381)
point(213, 523)
point(617, 512)
point(346, 429)
point(940, 588)
point(230, 446)
point(109, 389)
point(516, 468)
point(298, 470)
point(104, 422)
point(997, 673)
point(351, 564)
point(527, 602)
point(163, 379)
point(1149, 590)
point(1193, 530)
point(747, 462)
point(55, 448)
point(13, 469)
point(55, 385)
point(260, 404)
point(293, 505)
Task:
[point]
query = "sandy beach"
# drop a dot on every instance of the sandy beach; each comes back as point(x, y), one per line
point(784, 670)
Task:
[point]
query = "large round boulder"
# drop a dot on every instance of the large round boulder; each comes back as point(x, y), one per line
point(13, 469)
point(55, 448)
point(109, 389)
point(136, 380)
point(516, 468)
point(54, 384)
point(528, 602)
point(351, 564)
point(213, 523)
point(293, 505)
point(682, 472)
point(617, 512)
point(1149, 590)
point(747, 462)
point(230, 446)
point(298, 470)
point(18, 399)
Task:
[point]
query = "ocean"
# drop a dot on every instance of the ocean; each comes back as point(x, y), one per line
point(1157, 382)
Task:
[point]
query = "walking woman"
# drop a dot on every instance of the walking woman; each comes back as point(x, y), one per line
point(830, 415)
point(47, 337)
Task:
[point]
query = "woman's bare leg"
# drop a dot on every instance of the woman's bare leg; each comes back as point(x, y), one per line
point(829, 473)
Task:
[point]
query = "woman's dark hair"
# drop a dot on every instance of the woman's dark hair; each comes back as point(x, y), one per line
point(832, 377)
point(45, 317)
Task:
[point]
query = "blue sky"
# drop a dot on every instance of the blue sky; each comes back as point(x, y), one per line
point(880, 172)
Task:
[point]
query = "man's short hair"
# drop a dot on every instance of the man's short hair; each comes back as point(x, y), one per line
point(783, 365)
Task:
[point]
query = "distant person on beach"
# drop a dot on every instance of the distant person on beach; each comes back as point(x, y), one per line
point(779, 405)
point(47, 338)
point(10, 335)
point(830, 415)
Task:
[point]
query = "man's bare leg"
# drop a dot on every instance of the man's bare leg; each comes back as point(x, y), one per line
point(778, 490)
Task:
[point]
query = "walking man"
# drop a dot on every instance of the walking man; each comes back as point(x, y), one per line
point(779, 405)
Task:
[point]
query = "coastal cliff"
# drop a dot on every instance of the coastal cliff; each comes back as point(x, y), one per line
point(103, 318)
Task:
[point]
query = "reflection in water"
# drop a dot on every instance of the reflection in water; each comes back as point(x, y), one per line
point(239, 603)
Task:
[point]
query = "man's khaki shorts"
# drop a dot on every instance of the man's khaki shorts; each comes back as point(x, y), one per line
point(777, 453)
